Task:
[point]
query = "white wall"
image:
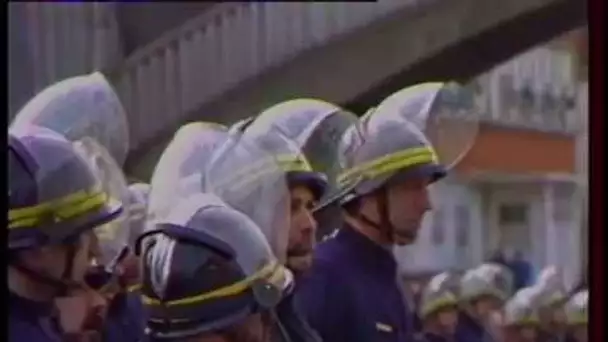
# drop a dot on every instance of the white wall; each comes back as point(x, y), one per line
point(565, 223)
point(583, 167)
point(583, 138)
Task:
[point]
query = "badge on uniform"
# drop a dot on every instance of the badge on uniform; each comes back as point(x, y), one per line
point(384, 327)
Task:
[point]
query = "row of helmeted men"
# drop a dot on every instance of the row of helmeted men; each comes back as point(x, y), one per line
point(221, 245)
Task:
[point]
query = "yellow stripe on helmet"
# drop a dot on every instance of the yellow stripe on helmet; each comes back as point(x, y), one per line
point(500, 295)
point(389, 163)
point(207, 124)
point(134, 287)
point(256, 171)
point(447, 300)
point(273, 272)
point(577, 317)
point(60, 209)
point(293, 163)
point(579, 320)
point(527, 320)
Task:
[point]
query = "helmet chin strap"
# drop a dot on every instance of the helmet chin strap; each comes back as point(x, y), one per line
point(65, 283)
point(386, 228)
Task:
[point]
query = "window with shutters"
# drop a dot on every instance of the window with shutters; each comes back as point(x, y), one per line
point(513, 214)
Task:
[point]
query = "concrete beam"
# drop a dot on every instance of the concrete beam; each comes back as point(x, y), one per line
point(476, 54)
point(141, 23)
point(349, 67)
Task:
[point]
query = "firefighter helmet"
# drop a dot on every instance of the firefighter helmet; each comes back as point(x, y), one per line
point(206, 268)
point(439, 293)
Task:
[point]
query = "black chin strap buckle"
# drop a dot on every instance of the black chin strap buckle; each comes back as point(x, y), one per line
point(68, 268)
point(385, 227)
point(61, 287)
point(64, 284)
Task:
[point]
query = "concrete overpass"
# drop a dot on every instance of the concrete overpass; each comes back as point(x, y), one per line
point(439, 39)
point(478, 53)
point(141, 23)
point(179, 62)
point(433, 39)
point(52, 41)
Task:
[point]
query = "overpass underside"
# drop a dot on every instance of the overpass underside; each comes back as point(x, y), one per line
point(479, 53)
point(445, 40)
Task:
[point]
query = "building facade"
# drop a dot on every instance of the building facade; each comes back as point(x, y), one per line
point(519, 187)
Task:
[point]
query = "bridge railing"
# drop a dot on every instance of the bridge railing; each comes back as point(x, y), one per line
point(226, 45)
point(53, 41)
point(524, 107)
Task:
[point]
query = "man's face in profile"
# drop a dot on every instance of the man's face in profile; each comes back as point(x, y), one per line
point(302, 230)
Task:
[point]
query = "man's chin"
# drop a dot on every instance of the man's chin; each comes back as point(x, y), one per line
point(405, 239)
point(299, 263)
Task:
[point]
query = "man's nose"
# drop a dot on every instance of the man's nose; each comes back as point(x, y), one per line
point(425, 201)
point(94, 247)
point(309, 226)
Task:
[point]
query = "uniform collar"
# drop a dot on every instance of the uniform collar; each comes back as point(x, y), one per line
point(471, 323)
point(29, 307)
point(369, 254)
point(433, 337)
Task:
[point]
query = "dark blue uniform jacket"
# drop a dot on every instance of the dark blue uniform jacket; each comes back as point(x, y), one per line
point(523, 273)
point(549, 336)
point(31, 321)
point(293, 323)
point(125, 321)
point(351, 293)
point(430, 337)
point(470, 330)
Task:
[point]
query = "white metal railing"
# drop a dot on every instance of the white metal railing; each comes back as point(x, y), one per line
point(228, 44)
point(545, 109)
point(539, 110)
point(535, 90)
